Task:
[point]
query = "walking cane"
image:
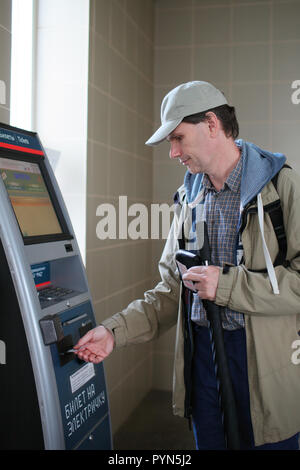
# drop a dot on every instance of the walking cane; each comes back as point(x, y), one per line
point(226, 394)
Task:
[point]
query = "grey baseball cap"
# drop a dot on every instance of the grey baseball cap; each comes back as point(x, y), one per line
point(184, 100)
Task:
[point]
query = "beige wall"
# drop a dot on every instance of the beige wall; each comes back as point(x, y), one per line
point(250, 50)
point(120, 117)
point(5, 53)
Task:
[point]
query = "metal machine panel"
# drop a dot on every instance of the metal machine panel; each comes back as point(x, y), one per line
point(81, 386)
point(43, 387)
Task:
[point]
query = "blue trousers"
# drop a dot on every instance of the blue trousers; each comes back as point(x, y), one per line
point(207, 416)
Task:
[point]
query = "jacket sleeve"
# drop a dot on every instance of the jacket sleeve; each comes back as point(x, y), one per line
point(251, 292)
point(145, 319)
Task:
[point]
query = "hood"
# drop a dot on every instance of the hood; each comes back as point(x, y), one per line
point(259, 167)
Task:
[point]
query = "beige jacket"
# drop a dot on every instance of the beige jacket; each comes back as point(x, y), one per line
point(272, 321)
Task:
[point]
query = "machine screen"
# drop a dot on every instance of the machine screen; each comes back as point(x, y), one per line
point(29, 197)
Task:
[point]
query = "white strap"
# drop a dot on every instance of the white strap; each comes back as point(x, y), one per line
point(197, 199)
point(270, 267)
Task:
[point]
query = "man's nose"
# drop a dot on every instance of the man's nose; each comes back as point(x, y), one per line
point(175, 151)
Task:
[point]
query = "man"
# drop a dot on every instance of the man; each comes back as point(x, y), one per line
point(232, 183)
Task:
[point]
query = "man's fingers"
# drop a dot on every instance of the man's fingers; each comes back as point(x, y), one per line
point(84, 340)
point(191, 276)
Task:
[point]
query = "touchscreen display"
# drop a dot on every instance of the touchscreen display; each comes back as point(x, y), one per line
point(29, 197)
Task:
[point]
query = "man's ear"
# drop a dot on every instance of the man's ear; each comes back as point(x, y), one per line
point(213, 122)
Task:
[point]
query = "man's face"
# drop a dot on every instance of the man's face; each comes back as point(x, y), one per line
point(192, 145)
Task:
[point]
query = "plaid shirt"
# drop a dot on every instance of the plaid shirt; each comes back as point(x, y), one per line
point(221, 213)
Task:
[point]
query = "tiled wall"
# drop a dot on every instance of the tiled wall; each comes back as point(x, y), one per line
point(5, 54)
point(120, 118)
point(250, 50)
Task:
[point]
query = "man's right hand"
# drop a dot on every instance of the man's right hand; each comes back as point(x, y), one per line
point(95, 345)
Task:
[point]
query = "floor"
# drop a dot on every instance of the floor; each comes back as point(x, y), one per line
point(152, 426)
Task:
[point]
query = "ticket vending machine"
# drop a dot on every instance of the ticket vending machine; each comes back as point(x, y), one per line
point(49, 399)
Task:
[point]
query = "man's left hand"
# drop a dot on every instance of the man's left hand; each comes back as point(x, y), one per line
point(205, 279)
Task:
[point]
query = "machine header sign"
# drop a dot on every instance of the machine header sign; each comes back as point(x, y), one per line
point(20, 141)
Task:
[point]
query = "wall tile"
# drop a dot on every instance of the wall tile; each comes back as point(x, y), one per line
point(167, 178)
point(5, 57)
point(173, 66)
point(145, 56)
point(144, 179)
point(5, 14)
point(212, 63)
point(251, 62)
point(144, 131)
point(100, 63)
point(282, 106)
point(257, 132)
point(100, 17)
point(134, 10)
point(113, 368)
point(123, 81)
point(173, 27)
point(100, 162)
point(252, 101)
point(286, 64)
point(249, 1)
point(286, 23)
point(144, 104)
point(161, 152)
point(244, 19)
point(148, 20)
point(285, 139)
point(117, 415)
point(4, 115)
point(203, 3)
point(131, 42)
point(118, 137)
point(122, 174)
point(117, 27)
point(98, 112)
point(211, 25)
point(173, 4)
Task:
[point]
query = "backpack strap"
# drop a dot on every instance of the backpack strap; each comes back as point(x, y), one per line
point(276, 217)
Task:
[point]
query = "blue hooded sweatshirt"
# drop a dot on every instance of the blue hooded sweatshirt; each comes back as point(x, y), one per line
point(259, 167)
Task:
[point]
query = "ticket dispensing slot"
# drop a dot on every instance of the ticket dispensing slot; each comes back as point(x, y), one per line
point(64, 348)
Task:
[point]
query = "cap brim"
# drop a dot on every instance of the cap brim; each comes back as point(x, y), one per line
point(163, 132)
